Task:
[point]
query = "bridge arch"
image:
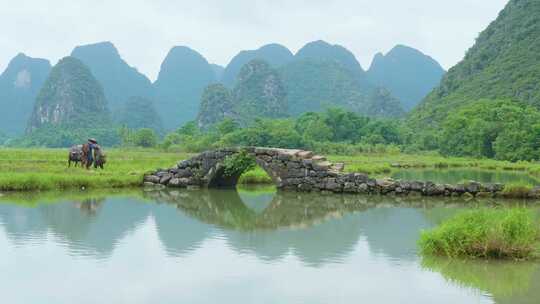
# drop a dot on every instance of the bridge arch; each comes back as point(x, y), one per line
point(288, 168)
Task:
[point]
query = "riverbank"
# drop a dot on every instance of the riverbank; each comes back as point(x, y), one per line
point(46, 169)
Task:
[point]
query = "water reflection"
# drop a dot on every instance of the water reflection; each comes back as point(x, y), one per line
point(505, 282)
point(87, 227)
point(347, 237)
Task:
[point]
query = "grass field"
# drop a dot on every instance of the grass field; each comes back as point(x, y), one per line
point(46, 169)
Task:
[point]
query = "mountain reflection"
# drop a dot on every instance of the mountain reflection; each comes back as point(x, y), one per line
point(318, 229)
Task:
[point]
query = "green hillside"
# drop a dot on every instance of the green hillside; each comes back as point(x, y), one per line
point(504, 63)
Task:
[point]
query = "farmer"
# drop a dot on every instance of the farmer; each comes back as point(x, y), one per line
point(92, 144)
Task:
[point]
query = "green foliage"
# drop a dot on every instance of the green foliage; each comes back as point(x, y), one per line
point(517, 190)
point(484, 233)
point(265, 133)
point(238, 163)
point(333, 131)
point(145, 138)
point(60, 136)
point(494, 129)
point(255, 176)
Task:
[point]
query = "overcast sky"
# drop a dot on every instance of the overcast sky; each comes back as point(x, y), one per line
point(144, 31)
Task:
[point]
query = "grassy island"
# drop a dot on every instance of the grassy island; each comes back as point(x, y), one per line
point(485, 233)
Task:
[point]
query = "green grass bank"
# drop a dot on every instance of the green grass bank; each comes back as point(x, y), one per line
point(46, 169)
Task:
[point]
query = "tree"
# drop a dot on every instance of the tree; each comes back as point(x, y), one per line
point(146, 138)
point(501, 129)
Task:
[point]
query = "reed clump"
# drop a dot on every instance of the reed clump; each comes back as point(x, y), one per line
point(484, 233)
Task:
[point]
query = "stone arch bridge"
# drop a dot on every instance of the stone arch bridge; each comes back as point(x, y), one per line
point(288, 168)
point(300, 170)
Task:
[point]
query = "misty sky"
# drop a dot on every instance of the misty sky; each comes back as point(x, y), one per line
point(144, 31)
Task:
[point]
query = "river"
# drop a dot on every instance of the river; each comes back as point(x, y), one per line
point(246, 246)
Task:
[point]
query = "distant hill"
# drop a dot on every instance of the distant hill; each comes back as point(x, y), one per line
point(70, 98)
point(407, 73)
point(19, 86)
point(315, 85)
point(183, 76)
point(259, 92)
point(119, 80)
point(323, 75)
point(218, 71)
point(503, 63)
point(137, 113)
point(274, 54)
point(216, 105)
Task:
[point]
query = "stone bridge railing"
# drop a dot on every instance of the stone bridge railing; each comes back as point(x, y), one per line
point(300, 170)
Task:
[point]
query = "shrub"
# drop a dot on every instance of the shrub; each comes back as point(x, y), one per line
point(146, 138)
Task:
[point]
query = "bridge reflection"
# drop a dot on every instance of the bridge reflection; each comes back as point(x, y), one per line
point(315, 228)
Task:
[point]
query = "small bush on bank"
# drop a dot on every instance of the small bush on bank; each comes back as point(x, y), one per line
point(255, 176)
point(484, 233)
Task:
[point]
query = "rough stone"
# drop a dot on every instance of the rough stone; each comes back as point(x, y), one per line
point(152, 179)
point(165, 179)
point(321, 166)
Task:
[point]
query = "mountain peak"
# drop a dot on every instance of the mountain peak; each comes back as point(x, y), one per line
point(105, 48)
point(407, 73)
point(181, 80)
point(274, 54)
point(322, 50)
point(119, 80)
point(19, 86)
point(70, 96)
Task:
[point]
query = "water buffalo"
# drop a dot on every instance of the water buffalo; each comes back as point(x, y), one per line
point(75, 155)
point(100, 158)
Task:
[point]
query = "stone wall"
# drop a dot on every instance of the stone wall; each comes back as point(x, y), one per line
point(302, 171)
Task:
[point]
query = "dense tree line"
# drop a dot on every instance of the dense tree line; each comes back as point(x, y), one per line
point(309, 131)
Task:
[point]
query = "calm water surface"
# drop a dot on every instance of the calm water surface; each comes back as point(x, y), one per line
point(224, 246)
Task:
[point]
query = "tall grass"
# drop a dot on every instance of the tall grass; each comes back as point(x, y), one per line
point(484, 233)
point(517, 190)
